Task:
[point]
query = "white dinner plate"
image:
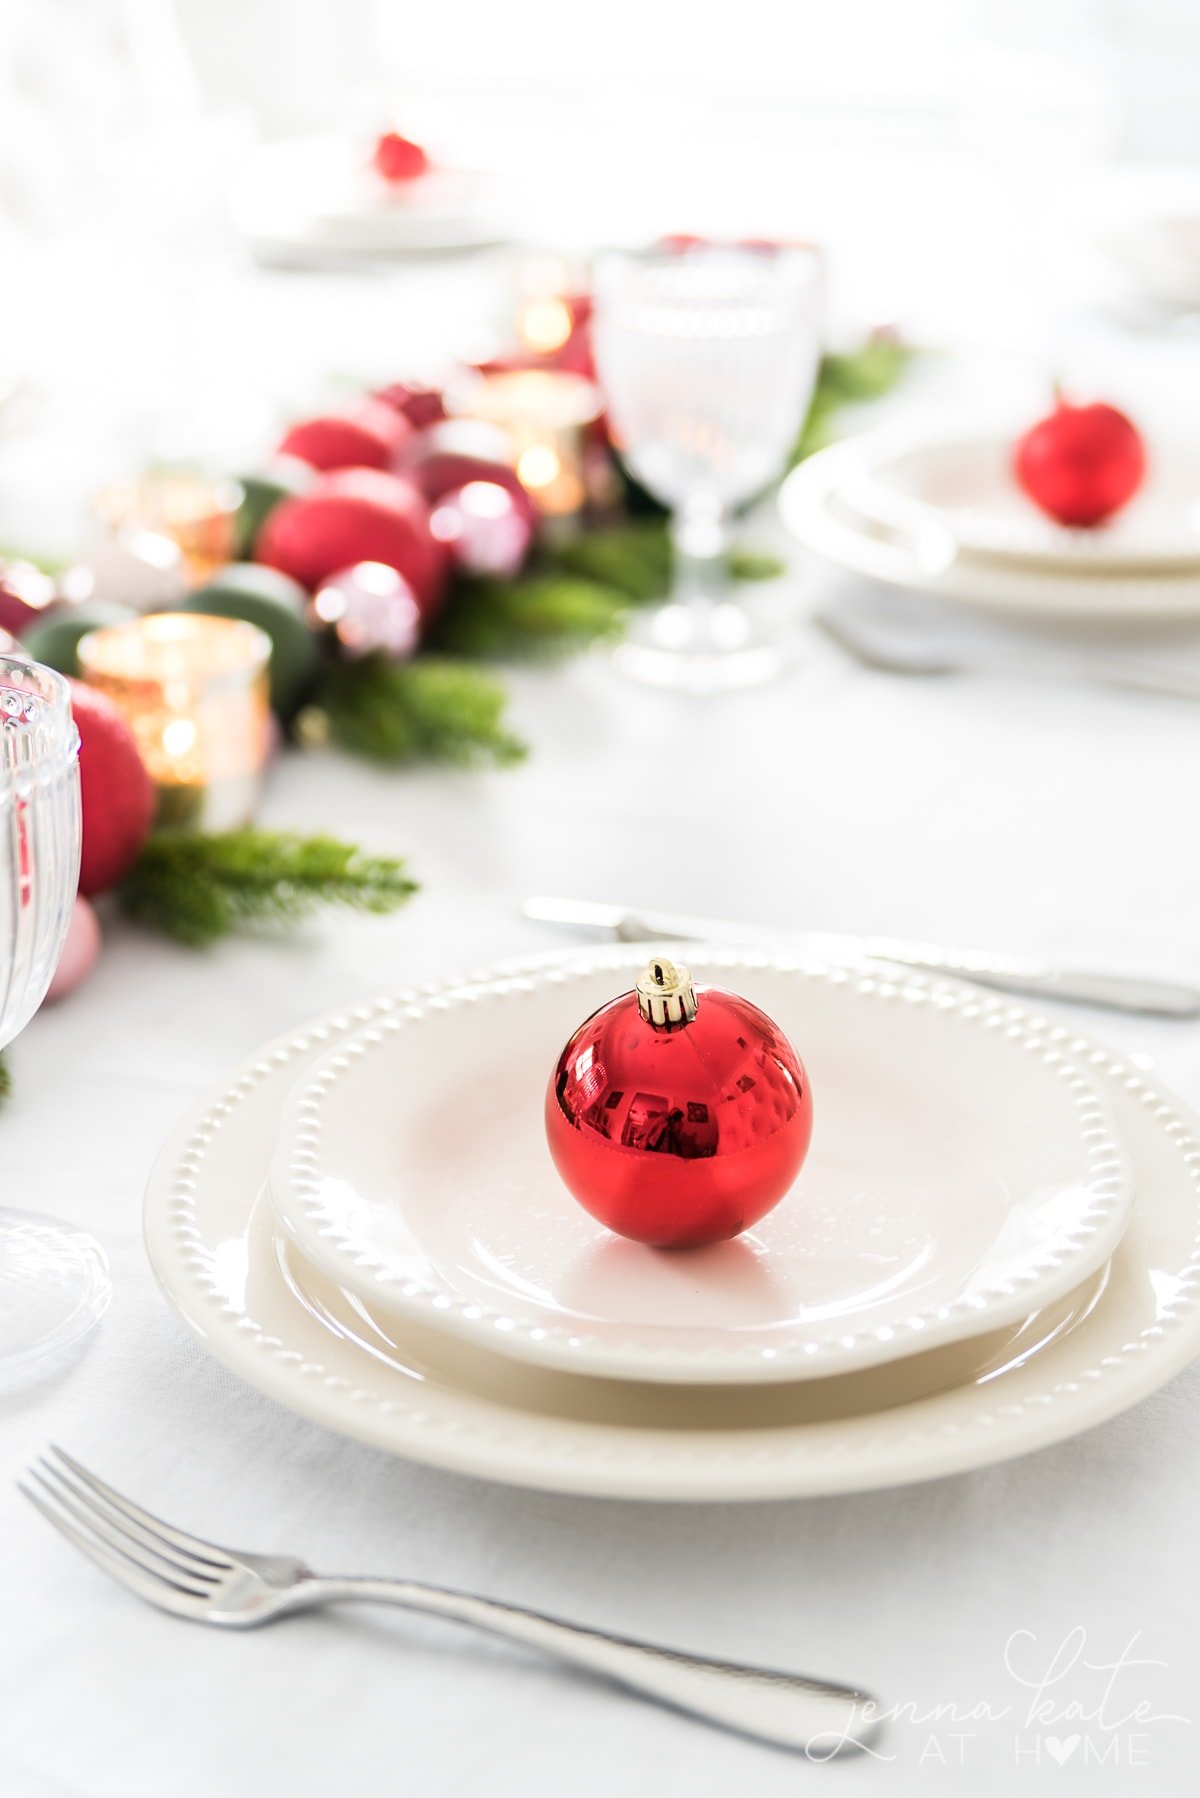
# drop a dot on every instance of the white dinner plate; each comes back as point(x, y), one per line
point(297, 1338)
point(965, 486)
point(816, 509)
point(963, 1173)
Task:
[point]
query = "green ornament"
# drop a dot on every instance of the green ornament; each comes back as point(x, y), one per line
point(276, 604)
point(282, 479)
point(55, 642)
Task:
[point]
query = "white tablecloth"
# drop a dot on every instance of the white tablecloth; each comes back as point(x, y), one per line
point(1042, 818)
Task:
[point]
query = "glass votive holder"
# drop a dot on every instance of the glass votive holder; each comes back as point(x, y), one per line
point(545, 412)
point(194, 692)
point(196, 510)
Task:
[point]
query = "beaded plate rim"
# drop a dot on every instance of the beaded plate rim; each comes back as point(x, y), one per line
point(294, 1187)
point(697, 1466)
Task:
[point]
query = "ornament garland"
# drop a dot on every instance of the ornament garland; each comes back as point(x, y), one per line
point(388, 553)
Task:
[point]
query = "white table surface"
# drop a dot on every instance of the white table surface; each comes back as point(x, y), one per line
point(1036, 817)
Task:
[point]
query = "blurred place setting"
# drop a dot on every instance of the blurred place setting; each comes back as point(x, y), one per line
point(599, 981)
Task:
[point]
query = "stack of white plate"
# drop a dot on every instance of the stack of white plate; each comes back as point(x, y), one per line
point(994, 1243)
point(317, 200)
point(944, 515)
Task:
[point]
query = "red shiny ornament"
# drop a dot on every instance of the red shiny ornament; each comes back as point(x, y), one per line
point(678, 1117)
point(419, 404)
point(116, 793)
point(1081, 463)
point(356, 515)
point(367, 437)
point(398, 159)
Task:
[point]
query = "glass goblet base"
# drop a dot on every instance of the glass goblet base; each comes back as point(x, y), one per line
point(703, 646)
point(54, 1286)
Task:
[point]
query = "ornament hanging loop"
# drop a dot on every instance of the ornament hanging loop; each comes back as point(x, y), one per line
point(665, 994)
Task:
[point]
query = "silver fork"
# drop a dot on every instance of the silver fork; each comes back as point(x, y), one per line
point(205, 1583)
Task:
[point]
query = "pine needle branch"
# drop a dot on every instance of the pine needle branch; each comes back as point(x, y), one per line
point(197, 888)
point(430, 709)
point(535, 614)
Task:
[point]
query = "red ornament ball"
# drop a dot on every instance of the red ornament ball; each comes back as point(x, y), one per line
point(678, 1117)
point(419, 404)
point(1081, 464)
point(117, 793)
point(368, 437)
point(356, 515)
point(398, 159)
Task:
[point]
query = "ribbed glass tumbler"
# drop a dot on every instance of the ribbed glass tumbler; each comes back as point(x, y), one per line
point(54, 1280)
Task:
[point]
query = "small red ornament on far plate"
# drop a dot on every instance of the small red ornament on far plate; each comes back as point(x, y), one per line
point(398, 159)
point(678, 1117)
point(1081, 464)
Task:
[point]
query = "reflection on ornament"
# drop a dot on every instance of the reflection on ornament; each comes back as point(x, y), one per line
point(193, 690)
point(370, 609)
point(678, 1117)
point(484, 527)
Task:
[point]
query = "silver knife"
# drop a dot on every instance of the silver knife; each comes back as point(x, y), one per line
point(1114, 992)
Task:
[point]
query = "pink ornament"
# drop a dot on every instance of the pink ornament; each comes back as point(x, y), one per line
point(485, 528)
point(371, 611)
point(80, 953)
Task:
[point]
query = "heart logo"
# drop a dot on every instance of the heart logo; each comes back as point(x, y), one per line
point(1061, 1750)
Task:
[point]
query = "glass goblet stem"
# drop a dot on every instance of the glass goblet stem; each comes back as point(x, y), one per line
point(700, 531)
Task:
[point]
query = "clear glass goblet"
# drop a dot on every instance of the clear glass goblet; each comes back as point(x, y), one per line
point(54, 1280)
point(707, 360)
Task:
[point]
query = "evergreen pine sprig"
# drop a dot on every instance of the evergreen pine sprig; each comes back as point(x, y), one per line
point(197, 888)
point(427, 710)
point(574, 594)
point(851, 378)
point(538, 614)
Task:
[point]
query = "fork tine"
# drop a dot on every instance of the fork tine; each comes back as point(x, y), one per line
point(154, 1590)
point(100, 1532)
point(195, 1546)
point(120, 1533)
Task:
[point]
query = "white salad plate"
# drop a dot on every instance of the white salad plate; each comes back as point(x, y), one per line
point(318, 199)
point(964, 486)
point(817, 505)
point(295, 1336)
point(964, 1172)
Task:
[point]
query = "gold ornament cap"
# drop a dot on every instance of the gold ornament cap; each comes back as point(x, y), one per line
point(665, 994)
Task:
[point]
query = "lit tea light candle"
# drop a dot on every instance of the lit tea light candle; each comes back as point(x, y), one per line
point(194, 692)
point(548, 301)
point(545, 413)
point(196, 511)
